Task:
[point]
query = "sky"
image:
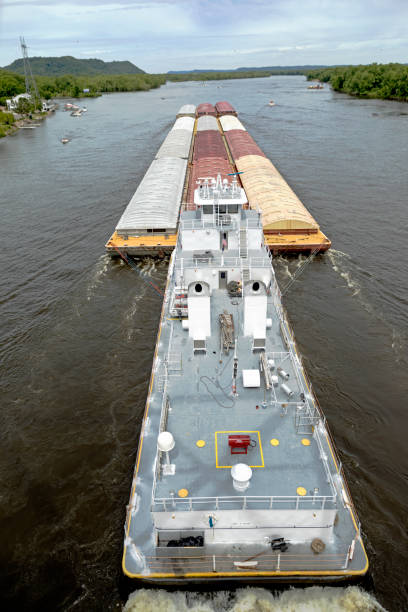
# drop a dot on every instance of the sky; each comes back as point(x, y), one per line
point(163, 35)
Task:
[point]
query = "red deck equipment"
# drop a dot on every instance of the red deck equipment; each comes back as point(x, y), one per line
point(239, 444)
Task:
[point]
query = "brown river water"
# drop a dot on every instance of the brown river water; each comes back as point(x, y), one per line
point(78, 333)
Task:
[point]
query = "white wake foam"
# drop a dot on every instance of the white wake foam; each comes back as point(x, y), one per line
point(312, 599)
point(98, 273)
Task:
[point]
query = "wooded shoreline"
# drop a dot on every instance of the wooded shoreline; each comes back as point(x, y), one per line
point(381, 81)
point(12, 84)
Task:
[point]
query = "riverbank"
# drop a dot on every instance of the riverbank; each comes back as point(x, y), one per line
point(7, 123)
point(11, 123)
point(376, 81)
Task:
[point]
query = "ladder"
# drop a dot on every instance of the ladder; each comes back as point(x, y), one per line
point(246, 274)
point(179, 303)
point(243, 243)
point(243, 254)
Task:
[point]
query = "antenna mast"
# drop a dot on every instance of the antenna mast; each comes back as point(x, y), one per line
point(31, 85)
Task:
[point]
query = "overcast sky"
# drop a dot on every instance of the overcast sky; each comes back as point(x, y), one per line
point(162, 35)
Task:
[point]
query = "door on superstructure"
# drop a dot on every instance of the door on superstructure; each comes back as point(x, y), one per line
point(222, 280)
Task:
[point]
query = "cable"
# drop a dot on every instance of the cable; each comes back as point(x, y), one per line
point(218, 386)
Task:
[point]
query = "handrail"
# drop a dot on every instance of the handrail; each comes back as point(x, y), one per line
point(171, 504)
point(220, 260)
point(184, 560)
point(189, 224)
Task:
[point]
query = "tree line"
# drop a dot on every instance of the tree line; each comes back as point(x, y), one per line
point(384, 81)
point(217, 76)
point(72, 86)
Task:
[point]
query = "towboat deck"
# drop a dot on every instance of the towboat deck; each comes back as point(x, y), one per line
point(202, 411)
point(296, 477)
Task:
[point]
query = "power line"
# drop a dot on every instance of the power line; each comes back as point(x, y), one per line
point(31, 85)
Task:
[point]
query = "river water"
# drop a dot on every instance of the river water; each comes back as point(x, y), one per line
point(78, 332)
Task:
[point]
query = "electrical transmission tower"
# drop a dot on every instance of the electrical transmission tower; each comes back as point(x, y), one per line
point(31, 85)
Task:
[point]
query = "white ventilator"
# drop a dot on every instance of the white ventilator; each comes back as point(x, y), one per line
point(241, 475)
point(166, 443)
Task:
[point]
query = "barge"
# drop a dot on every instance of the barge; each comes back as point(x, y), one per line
point(212, 141)
point(236, 474)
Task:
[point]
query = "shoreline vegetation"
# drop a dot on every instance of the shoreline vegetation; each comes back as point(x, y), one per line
point(10, 123)
point(7, 124)
point(70, 86)
point(379, 81)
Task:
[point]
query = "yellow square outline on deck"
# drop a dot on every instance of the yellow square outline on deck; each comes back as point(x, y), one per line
point(238, 431)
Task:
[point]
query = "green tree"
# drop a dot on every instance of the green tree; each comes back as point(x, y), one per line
point(25, 106)
point(6, 118)
point(387, 81)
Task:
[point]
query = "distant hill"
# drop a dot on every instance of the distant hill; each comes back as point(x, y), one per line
point(58, 66)
point(289, 69)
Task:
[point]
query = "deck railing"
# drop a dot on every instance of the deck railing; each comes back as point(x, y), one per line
point(228, 222)
point(193, 560)
point(247, 502)
point(220, 261)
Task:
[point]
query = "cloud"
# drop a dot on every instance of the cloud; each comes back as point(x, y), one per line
point(95, 52)
point(161, 35)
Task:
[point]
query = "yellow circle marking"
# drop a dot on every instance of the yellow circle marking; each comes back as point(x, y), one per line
point(200, 443)
point(301, 491)
point(182, 492)
point(306, 442)
point(275, 442)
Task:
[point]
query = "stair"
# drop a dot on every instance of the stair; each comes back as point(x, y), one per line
point(246, 275)
point(243, 243)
